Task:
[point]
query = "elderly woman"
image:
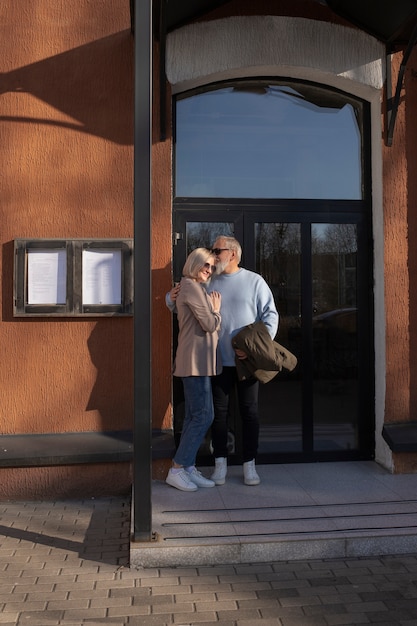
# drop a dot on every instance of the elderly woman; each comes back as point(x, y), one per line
point(196, 361)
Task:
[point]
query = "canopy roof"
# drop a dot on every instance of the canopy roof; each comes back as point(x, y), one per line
point(390, 21)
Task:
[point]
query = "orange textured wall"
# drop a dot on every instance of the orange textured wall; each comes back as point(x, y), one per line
point(399, 176)
point(66, 163)
point(161, 255)
point(73, 481)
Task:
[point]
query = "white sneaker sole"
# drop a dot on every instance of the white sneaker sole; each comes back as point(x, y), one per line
point(252, 482)
point(204, 485)
point(180, 487)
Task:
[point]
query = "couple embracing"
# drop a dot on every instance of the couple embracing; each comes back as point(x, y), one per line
point(214, 301)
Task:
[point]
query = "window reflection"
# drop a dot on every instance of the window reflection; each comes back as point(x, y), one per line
point(204, 234)
point(335, 339)
point(278, 259)
point(269, 140)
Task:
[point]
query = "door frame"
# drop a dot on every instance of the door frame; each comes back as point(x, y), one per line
point(244, 214)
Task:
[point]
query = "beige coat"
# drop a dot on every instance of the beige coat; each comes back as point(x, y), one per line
point(197, 353)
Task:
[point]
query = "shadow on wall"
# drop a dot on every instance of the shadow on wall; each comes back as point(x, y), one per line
point(161, 343)
point(92, 88)
point(111, 352)
point(93, 84)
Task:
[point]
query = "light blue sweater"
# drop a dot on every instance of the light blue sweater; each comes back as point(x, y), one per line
point(246, 298)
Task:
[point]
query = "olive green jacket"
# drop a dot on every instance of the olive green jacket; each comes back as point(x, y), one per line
point(265, 357)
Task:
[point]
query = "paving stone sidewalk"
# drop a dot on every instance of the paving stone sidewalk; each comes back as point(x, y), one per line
point(66, 563)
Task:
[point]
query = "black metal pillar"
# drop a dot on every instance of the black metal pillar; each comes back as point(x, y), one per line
point(142, 457)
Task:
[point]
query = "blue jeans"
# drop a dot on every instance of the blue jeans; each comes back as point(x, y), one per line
point(198, 418)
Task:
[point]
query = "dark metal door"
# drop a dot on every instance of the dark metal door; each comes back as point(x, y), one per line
point(316, 260)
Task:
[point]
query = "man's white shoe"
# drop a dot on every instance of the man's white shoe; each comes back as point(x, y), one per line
point(250, 477)
point(180, 480)
point(198, 479)
point(220, 471)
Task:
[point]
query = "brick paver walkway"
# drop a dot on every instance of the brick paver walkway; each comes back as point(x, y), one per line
point(66, 563)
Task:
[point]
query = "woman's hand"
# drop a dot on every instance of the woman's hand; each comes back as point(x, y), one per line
point(216, 301)
point(174, 292)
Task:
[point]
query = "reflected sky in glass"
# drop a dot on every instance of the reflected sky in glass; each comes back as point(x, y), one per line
point(268, 141)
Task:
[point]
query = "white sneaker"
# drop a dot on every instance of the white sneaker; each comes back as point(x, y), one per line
point(198, 479)
point(220, 471)
point(180, 480)
point(250, 477)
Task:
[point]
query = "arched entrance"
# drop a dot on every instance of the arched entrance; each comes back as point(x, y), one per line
point(284, 166)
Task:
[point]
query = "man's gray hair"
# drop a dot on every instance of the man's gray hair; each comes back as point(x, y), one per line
point(232, 244)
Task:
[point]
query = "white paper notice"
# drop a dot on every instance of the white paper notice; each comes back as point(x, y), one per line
point(47, 276)
point(102, 276)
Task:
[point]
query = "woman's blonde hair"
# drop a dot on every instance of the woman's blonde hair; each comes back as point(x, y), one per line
point(195, 261)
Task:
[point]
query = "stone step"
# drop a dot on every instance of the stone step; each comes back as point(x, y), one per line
point(302, 511)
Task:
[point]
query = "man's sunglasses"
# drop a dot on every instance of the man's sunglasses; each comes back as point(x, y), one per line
point(217, 251)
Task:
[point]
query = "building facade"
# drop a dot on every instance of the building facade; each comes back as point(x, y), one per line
point(272, 122)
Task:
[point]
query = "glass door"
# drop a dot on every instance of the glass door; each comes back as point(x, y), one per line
point(320, 282)
point(318, 276)
point(277, 257)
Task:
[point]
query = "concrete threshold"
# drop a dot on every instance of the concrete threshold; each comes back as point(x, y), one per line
point(299, 511)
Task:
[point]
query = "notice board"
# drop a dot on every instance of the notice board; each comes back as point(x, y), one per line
point(73, 277)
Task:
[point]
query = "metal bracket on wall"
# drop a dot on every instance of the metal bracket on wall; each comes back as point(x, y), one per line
point(393, 102)
point(176, 238)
